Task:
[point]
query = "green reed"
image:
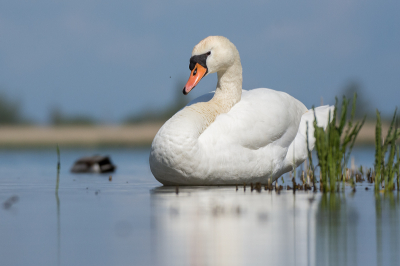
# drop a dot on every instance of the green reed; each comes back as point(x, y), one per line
point(58, 170)
point(334, 144)
point(311, 165)
point(386, 166)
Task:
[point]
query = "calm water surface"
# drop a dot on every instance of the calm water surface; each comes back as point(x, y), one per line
point(133, 220)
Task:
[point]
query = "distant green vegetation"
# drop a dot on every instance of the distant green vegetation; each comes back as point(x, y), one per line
point(363, 104)
point(155, 116)
point(11, 114)
point(10, 111)
point(163, 115)
point(57, 118)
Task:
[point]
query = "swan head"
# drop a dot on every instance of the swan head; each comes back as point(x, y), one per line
point(212, 54)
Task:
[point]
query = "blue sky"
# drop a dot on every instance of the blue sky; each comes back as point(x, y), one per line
point(112, 59)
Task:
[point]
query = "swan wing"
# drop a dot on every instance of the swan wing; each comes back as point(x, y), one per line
point(262, 117)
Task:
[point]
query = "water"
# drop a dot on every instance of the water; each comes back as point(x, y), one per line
point(132, 220)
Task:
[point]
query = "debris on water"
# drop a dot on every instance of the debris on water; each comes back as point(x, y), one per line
point(93, 164)
point(359, 178)
point(258, 187)
point(97, 192)
point(294, 185)
point(110, 178)
point(366, 188)
point(10, 201)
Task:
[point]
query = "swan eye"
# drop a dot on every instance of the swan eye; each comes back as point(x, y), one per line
point(208, 53)
point(195, 72)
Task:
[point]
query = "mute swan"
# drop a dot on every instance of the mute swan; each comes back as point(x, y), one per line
point(235, 137)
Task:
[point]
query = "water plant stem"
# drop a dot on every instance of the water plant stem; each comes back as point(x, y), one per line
point(334, 144)
point(386, 165)
point(58, 169)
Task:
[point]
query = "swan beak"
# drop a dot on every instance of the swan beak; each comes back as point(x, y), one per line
point(196, 75)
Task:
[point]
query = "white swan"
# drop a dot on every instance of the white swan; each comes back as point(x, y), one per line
point(236, 137)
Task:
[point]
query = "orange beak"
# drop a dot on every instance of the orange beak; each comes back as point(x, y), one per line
point(197, 74)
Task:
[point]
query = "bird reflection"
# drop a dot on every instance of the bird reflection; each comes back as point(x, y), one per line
point(225, 226)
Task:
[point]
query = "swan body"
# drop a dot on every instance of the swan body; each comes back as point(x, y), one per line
point(231, 136)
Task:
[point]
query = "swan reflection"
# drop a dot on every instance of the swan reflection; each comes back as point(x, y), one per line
point(222, 226)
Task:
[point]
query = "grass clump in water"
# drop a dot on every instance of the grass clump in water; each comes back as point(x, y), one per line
point(386, 166)
point(334, 144)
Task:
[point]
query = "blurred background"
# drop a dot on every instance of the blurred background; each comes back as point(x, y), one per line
point(122, 62)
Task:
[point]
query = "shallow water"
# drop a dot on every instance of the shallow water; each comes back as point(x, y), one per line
point(132, 220)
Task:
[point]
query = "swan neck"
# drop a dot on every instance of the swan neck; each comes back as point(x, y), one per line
point(194, 120)
point(229, 87)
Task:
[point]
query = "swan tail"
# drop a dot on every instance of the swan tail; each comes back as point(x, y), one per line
point(298, 151)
